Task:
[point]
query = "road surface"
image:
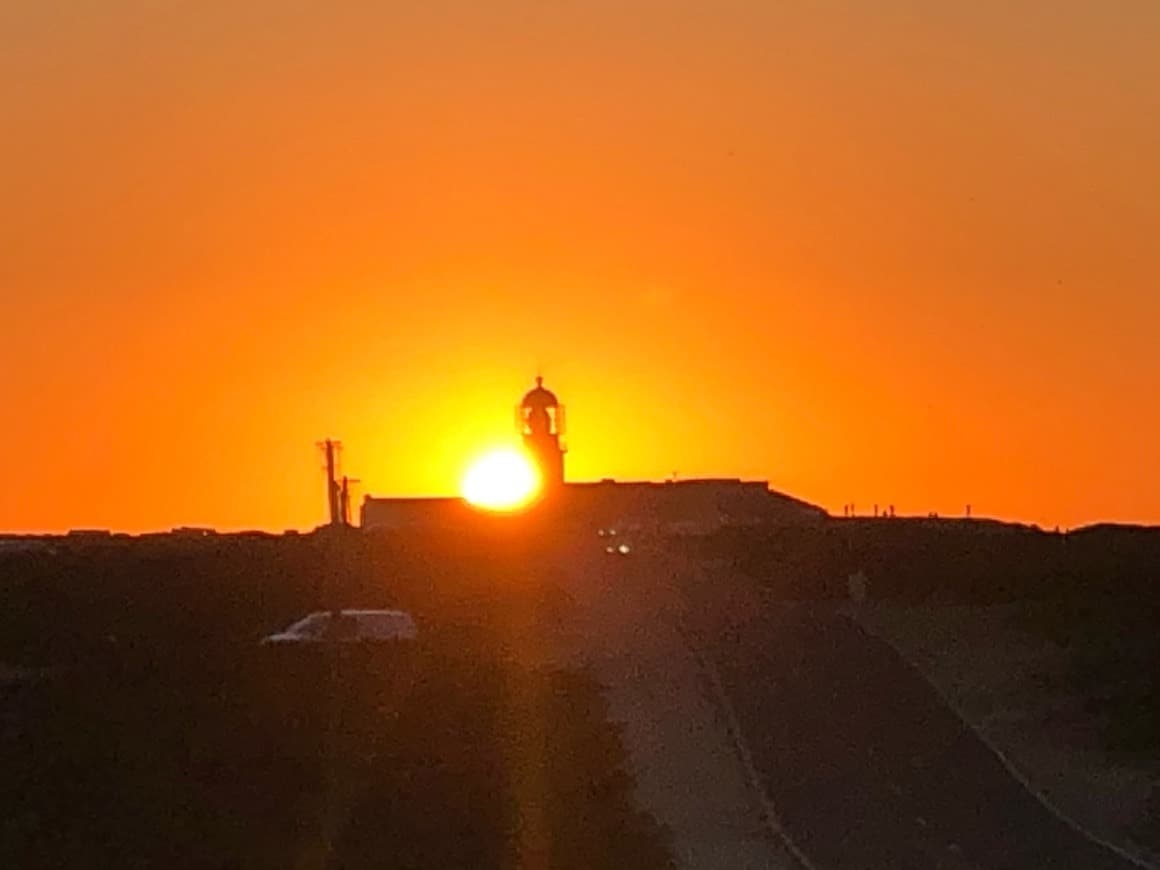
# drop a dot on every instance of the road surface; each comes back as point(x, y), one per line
point(863, 762)
point(625, 627)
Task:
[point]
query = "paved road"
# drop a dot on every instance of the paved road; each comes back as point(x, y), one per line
point(865, 765)
point(625, 627)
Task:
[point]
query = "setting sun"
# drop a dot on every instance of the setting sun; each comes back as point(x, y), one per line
point(502, 480)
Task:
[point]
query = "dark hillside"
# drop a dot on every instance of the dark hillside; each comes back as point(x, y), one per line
point(144, 726)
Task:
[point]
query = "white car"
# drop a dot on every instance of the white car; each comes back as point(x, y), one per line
point(347, 627)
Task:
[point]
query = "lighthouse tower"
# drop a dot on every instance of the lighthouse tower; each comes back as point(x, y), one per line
point(540, 419)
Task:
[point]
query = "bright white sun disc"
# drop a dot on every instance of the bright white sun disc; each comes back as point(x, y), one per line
point(501, 480)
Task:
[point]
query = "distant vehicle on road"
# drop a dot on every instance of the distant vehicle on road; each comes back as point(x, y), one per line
point(616, 545)
point(347, 627)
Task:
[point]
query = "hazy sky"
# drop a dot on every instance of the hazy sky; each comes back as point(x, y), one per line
point(873, 250)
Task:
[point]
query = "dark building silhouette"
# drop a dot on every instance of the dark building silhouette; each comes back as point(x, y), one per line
point(685, 506)
point(693, 506)
point(540, 421)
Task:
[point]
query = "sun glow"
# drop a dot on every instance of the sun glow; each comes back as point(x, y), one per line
point(502, 480)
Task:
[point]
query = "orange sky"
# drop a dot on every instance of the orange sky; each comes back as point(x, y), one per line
point(886, 251)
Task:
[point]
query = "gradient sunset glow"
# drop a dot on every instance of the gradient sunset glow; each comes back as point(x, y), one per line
point(887, 252)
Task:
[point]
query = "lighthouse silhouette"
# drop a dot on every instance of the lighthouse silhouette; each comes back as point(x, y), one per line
point(540, 420)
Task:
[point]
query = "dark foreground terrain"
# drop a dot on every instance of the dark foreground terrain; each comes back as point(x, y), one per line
point(866, 765)
point(860, 757)
point(1094, 591)
point(141, 725)
point(146, 728)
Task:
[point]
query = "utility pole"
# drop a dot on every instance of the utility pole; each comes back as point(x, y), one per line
point(330, 451)
point(344, 498)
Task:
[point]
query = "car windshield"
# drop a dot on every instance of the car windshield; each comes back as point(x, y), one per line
point(311, 627)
